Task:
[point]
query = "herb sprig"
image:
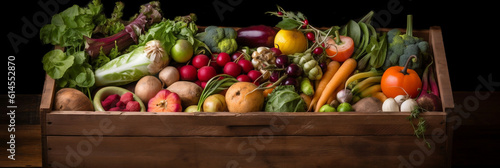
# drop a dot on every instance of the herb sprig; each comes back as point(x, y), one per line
point(421, 126)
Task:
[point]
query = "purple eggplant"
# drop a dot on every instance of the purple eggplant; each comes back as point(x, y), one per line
point(256, 36)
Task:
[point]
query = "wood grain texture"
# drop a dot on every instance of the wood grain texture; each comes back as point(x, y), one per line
point(274, 151)
point(229, 124)
point(28, 148)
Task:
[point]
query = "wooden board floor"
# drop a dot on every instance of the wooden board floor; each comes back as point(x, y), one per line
point(475, 139)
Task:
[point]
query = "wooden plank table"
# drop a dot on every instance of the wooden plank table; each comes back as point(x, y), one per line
point(475, 141)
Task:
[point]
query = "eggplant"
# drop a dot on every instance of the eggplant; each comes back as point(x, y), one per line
point(256, 36)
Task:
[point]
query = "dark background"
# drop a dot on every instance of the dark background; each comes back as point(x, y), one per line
point(462, 25)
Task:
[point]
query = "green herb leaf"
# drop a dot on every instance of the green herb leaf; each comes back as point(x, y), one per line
point(288, 24)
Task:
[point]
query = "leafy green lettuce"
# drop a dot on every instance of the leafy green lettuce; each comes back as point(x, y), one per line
point(70, 69)
point(284, 98)
point(68, 27)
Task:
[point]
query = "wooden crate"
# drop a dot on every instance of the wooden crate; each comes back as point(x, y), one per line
point(257, 139)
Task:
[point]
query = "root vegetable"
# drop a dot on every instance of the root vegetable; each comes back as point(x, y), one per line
point(409, 105)
point(368, 104)
point(401, 98)
point(341, 75)
point(189, 92)
point(243, 97)
point(69, 99)
point(344, 96)
point(390, 105)
point(147, 87)
point(169, 75)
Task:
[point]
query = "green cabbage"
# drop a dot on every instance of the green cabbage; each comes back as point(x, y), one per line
point(284, 98)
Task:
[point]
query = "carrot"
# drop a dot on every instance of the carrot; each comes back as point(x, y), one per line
point(334, 95)
point(306, 98)
point(380, 96)
point(331, 69)
point(342, 74)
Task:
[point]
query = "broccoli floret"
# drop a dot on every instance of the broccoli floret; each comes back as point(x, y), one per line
point(219, 39)
point(423, 46)
point(409, 39)
point(402, 46)
point(391, 34)
point(411, 50)
point(228, 45)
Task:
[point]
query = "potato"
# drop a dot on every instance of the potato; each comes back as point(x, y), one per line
point(69, 99)
point(189, 92)
point(147, 87)
point(368, 104)
point(169, 75)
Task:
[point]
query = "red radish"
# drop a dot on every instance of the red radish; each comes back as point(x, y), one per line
point(188, 73)
point(254, 74)
point(214, 64)
point(203, 84)
point(200, 60)
point(223, 58)
point(198, 82)
point(232, 69)
point(206, 73)
point(244, 78)
point(245, 65)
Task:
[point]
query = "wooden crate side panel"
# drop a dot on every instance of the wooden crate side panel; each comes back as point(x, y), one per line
point(441, 65)
point(269, 151)
point(229, 124)
point(48, 94)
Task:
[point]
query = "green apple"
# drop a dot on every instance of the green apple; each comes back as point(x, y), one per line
point(182, 51)
point(344, 107)
point(327, 108)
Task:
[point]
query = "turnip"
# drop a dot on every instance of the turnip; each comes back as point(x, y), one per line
point(409, 105)
point(390, 105)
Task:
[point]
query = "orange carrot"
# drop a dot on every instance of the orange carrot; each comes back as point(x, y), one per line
point(342, 74)
point(331, 69)
point(334, 95)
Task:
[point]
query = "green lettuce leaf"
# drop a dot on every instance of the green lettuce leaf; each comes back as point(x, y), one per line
point(56, 63)
point(68, 27)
